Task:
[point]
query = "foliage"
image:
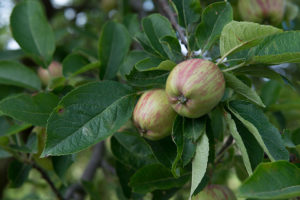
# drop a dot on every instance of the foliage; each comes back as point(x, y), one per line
point(252, 136)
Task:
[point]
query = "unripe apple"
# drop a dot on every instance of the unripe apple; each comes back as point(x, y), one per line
point(44, 75)
point(215, 192)
point(153, 115)
point(194, 87)
point(54, 70)
point(262, 11)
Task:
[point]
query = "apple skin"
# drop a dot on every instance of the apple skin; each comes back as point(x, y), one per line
point(153, 115)
point(44, 75)
point(54, 70)
point(194, 87)
point(215, 192)
point(262, 11)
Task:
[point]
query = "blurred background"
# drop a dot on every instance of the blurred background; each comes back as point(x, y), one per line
point(77, 25)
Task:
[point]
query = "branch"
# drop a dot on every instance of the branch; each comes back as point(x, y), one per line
point(76, 191)
point(49, 181)
point(170, 15)
point(223, 149)
point(107, 167)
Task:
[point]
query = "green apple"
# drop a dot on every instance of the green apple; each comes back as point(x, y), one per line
point(153, 115)
point(215, 192)
point(194, 87)
point(262, 11)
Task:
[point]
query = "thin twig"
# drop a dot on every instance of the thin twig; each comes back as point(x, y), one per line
point(76, 191)
point(234, 67)
point(48, 180)
point(169, 13)
point(107, 167)
point(223, 149)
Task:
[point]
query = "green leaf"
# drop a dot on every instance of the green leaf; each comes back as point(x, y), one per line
point(239, 168)
point(259, 71)
point(32, 31)
point(185, 133)
point(148, 78)
point(14, 129)
point(214, 18)
point(114, 44)
point(237, 36)
point(255, 152)
point(131, 22)
point(4, 125)
point(155, 177)
point(188, 11)
point(88, 67)
point(151, 64)
point(124, 173)
point(132, 150)
point(177, 136)
point(172, 47)
point(276, 49)
point(270, 92)
point(87, 115)
point(31, 109)
point(217, 123)
point(239, 141)
point(72, 63)
point(164, 150)
point(4, 154)
point(13, 73)
point(241, 88)
point(17, 173)
point(265, 133)
point(189, 149)
point(156, 27)
point(131, 59)
point(11, 54)
point(199, 163)
point(278, 180)
point(8, 90)
point(194, 128)
point(61, 164)
point(145, 43)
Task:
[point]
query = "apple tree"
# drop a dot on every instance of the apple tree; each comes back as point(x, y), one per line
point(141, 99)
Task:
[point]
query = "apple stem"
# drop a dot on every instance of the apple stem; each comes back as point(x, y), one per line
point(182, 99)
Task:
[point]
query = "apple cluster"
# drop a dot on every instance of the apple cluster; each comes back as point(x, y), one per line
point(194, 87)
point(262, 11)
point(54, 70)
